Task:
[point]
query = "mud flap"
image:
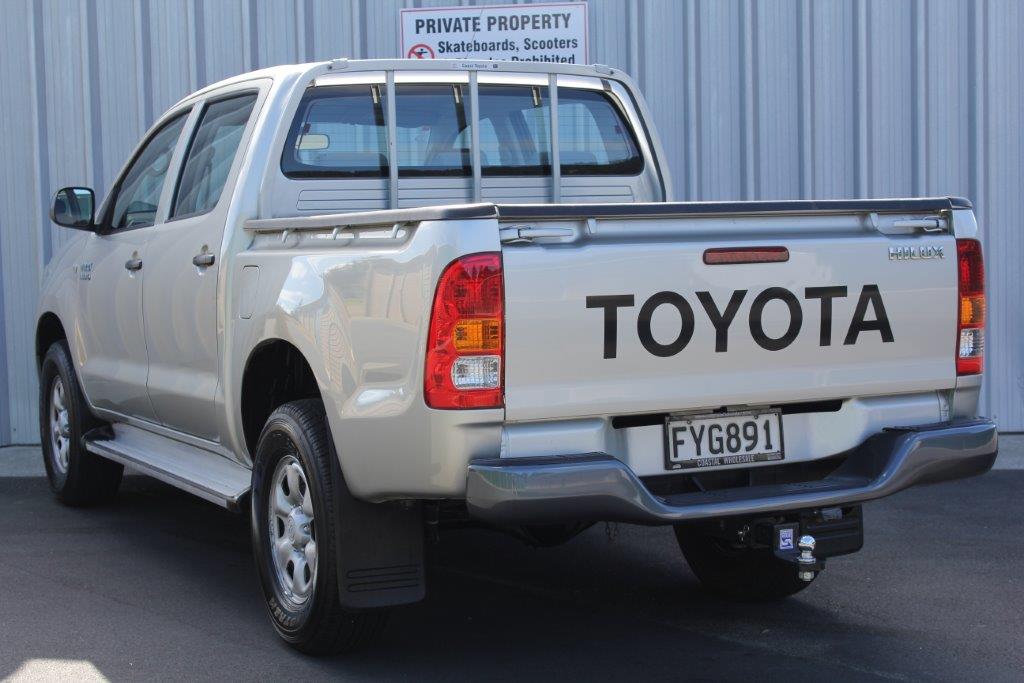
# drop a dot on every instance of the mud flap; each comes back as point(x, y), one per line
point(379, 551)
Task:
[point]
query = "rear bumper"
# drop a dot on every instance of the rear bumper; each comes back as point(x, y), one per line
point(597, 487)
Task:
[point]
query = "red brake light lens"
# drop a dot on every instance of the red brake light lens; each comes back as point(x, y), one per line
point(466, 343)
point(970, 359)
point(738, 255)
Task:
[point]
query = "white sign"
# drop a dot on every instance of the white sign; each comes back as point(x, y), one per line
point(554, 32)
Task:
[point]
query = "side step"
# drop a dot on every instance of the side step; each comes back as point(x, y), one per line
point(189, 468)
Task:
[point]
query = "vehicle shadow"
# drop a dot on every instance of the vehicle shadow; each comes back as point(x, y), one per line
point(162, 585)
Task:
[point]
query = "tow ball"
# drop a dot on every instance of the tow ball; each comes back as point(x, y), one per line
point(815, 536)
point(806, 564)
point(798, 551)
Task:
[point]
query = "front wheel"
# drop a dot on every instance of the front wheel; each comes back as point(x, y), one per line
point(737, 573)
point(295, 537)
point(76, 476)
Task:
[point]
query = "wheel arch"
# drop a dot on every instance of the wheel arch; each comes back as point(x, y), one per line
point(276, 372)
point(49, 329)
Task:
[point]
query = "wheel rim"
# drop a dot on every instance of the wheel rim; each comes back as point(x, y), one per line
point(292, 528)
point(60, 426)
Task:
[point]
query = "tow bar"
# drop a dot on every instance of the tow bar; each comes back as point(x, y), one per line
point(814, 536)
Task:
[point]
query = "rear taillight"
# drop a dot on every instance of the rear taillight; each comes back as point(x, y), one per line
point(466, 343)
point(970, 359)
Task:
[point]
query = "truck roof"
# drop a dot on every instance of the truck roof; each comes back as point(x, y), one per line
point(345, 65)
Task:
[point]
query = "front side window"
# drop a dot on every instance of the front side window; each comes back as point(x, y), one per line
point(340, 131)
point(138, 193)
point(211, 154)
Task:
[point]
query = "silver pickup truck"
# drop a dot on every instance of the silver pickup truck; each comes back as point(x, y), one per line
point(363, 301)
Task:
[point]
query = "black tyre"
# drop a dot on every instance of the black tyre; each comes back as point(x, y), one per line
point(742, 574)
point(295, 537)
point(77, 476)
point(551, 535)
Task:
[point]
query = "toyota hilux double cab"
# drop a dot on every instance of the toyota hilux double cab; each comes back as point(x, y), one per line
point(362, 301)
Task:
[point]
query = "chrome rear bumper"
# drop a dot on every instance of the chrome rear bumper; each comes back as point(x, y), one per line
point(597, 487)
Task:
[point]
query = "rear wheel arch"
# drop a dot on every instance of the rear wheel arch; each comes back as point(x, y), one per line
point(276, 373)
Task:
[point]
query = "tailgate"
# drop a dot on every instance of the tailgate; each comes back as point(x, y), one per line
point(624, 315)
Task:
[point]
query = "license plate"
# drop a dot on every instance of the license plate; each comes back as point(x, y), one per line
point(702, 441)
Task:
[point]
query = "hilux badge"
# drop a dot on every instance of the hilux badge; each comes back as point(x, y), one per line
point(915, 253)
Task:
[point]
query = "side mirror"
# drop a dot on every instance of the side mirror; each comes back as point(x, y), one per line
point(74, 207)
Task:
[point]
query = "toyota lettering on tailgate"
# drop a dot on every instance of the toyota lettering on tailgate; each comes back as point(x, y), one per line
point(721, 317)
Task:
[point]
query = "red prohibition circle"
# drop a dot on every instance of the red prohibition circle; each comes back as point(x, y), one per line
point(420, 51)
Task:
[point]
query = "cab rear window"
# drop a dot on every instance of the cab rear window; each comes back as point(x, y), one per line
point(341, 132)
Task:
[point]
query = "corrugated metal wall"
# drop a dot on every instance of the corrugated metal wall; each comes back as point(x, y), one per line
point(773, 99)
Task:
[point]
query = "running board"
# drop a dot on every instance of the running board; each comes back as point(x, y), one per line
point(189, 468)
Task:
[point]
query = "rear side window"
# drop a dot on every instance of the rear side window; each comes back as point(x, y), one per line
point(211, 154)
point(340, 131)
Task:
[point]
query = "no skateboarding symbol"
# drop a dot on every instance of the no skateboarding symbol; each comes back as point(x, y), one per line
point(420, 51)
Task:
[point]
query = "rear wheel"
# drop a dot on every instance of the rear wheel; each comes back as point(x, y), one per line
point(77, 476)
point(295, 537)
point(551, 535)
point(737, 573)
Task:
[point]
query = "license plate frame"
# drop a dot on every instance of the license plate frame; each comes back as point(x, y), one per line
point(723, 460)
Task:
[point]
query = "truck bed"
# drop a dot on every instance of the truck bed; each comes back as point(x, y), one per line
point(616, 320)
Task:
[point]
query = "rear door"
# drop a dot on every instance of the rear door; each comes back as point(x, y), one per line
point(629, 315)
point(181, 302)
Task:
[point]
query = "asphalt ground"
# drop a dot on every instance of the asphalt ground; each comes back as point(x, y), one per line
point(161, 586)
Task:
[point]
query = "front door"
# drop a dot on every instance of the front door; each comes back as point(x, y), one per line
point(111, 271)
point(180, 305)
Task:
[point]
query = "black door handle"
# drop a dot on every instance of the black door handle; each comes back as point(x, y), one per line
point(133, 264)
point(203, 260)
